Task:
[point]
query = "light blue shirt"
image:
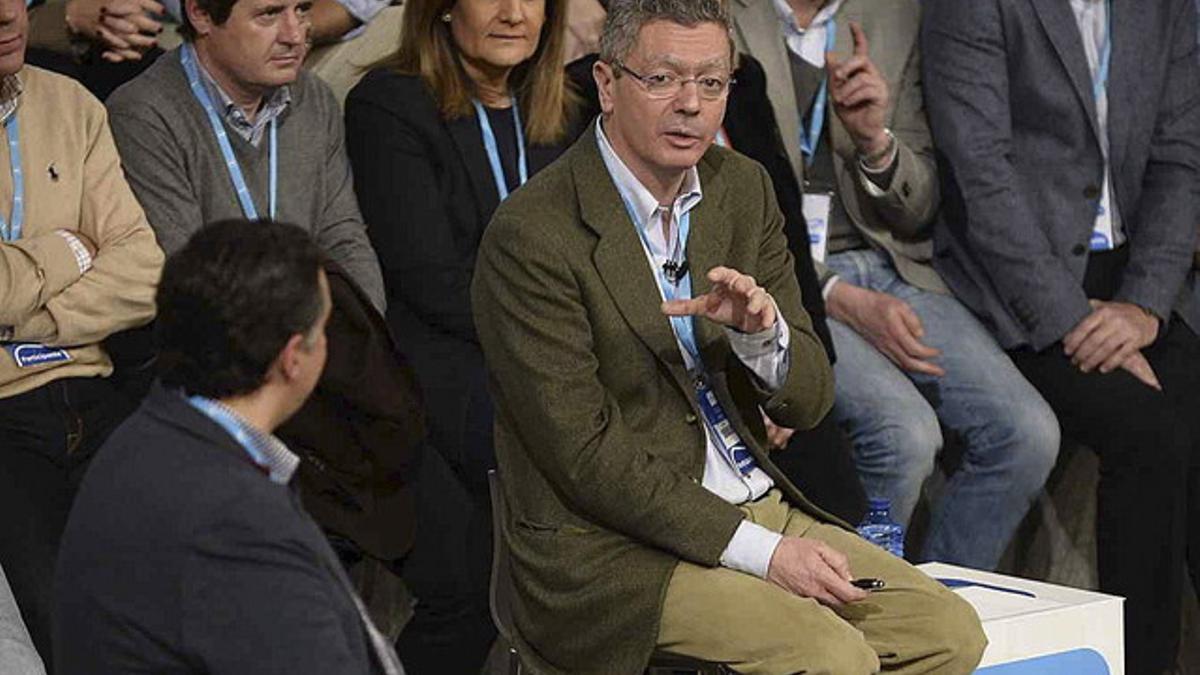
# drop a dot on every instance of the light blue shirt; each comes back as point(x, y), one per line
point(764, 353)
point(235, 117)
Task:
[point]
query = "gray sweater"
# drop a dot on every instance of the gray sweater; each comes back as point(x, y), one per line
point(172, 161)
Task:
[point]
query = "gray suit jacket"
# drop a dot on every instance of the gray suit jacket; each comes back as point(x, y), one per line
point(897, 222)
point(1012, 109)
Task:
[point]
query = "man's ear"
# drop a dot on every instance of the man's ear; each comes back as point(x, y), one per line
point(201, 22)
point(606, 81)
point(289, 363)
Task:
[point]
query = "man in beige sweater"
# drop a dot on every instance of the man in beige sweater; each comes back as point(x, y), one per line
point(78, 262)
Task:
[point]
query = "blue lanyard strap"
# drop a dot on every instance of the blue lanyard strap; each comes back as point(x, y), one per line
point(187, 56)
point(1101, 83)
point(11, 231)
point(811, 139)
point(493, 150)
point(681, 325)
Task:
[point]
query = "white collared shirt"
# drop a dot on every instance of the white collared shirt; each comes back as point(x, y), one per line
point(807, 43)
point(764, 353)
point(1093, 21)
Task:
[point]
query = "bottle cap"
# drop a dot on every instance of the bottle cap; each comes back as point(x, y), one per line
point(879, 504)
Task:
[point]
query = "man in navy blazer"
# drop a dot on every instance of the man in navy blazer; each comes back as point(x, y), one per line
point(1069, 133)
point(188, 550)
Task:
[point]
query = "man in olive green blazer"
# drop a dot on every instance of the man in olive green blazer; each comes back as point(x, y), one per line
point(627, 532)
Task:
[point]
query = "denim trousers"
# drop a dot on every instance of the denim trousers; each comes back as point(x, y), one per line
point(895, 419)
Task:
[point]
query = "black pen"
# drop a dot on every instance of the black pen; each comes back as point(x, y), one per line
point(868, 583)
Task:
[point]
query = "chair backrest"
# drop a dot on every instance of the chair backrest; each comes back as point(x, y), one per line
point(501, 585)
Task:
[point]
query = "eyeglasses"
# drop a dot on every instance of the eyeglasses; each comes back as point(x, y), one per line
point(666, 85)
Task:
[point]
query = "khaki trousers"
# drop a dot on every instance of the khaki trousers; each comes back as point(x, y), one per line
point(913, 625)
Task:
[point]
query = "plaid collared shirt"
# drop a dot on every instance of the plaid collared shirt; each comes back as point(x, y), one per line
point(232, 113)
point(264, 449)
point(10, 96)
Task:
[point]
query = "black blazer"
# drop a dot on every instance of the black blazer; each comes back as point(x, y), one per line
point(180, 556)
point(426, 192)
point(750, 125)
point(360, 432)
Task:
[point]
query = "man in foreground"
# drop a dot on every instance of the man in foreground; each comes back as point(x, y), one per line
point(637, 304)
point(188, 550)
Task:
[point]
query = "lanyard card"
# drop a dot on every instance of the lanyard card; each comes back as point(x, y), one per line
point(30, 355)
point(731, 444)
point(817, 207)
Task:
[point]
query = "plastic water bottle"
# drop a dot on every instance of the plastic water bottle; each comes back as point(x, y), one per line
point(878, 527)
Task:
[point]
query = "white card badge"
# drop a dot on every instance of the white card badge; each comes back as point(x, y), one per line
point(817, 208)
point(1102, 233)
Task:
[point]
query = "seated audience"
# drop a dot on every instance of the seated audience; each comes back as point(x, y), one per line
point(17, 655)
point(78, 262)
point(188, 550)
point(844, 80)
point(820, 460)
point(473, 104)
point(228, 126)
point(637, 304)
point(1071, 140)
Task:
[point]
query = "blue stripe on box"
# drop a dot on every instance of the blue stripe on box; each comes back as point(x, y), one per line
point(1074, 662)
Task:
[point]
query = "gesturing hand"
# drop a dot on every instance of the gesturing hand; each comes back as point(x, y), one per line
point(812, 569)
point(777, 436)
point(860, 96)
point(1109, 336)
point(886, 322)
point(735, 300)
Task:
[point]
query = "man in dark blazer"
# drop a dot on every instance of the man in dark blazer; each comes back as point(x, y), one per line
point(188, 550)
point(629, 368)
point(1070, 135)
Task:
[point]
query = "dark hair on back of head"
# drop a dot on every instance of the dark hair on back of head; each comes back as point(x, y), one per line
point(230, 300)
point(217, 10)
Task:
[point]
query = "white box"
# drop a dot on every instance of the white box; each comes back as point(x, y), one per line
point(1035, 627)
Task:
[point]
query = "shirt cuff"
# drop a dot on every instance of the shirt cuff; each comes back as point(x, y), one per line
point(364, 10)
point(877, 181)
point(828, 287)
point(750, 549)
point(82, 257)
point(765, 352)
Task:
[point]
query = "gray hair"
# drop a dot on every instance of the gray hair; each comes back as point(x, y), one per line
point(626, 18)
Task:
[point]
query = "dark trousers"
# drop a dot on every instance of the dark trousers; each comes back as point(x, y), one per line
point(1148, 443)
point(47, 437)
point(820, 461)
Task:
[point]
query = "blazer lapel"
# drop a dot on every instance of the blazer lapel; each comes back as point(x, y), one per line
point(758, 25)
point(464, 131)
point(1059, 23)
point(619, 257)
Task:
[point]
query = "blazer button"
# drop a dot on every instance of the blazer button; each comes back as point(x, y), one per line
point(690, 418)
point(1079, 249)
point(1091, 192)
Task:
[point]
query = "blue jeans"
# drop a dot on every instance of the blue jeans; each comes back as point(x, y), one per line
point(894, 419)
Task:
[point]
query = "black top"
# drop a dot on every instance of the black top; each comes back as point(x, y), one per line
point(180, 556)
point(501, 120)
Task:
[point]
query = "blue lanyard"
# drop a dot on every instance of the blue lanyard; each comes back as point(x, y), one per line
point(188, 57)
point(493, 151)
point(810, 140)
point(681, 325)
point(1101, 83)
point(12, 231)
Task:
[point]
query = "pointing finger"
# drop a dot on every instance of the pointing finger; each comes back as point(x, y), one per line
point(861, 47)
point(691, 307)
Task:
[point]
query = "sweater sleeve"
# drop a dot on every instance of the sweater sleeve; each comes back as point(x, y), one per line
point(118, 291)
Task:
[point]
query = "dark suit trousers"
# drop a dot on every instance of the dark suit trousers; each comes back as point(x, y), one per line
point(1148, 501)
point(47, 437)
point(820, 461)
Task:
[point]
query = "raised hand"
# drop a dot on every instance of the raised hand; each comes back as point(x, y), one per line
point(859, 95)
point(735, 300)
